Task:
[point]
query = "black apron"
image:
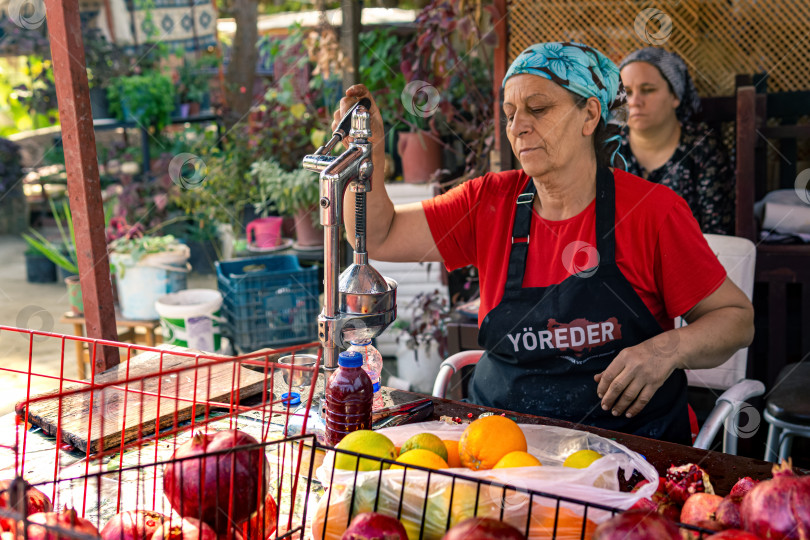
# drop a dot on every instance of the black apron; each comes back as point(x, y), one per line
point(544, 344)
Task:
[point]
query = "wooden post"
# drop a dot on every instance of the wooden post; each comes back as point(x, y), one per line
point(349, 41)
point(500, 23)
point(81, 166)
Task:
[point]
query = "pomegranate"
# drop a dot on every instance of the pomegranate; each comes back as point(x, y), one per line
point(683, 481)
point(257, 529)
point(37, 502)
point(637, 525)
point(374, 526)
point(699, 510)
point(661, 499)
point(67, 519)
point(742, 487)
point(482, 528)
point(733, 534)
point(132, 525)
point(644, 504)
point(780, 507)
point(202, 488)
point(184, 529)
point(728, 512)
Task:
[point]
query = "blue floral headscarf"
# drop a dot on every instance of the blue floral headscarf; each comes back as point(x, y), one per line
point(577, 68)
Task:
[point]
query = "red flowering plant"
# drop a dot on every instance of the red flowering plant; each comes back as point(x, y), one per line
point(452, 53)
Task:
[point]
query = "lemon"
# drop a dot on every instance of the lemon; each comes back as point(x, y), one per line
point(517, 459)
point(422, 458)
point(426, 441)
point(581, 459)
point(364, 441)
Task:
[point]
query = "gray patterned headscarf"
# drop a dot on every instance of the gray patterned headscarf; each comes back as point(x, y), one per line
point(674, 70)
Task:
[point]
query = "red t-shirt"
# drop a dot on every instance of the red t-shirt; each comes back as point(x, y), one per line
point(659, 246)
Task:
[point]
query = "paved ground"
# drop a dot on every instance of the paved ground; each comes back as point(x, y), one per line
point(37, 306)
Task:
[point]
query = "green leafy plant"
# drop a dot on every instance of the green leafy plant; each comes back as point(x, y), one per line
point(137, 247)
point(289, 191)
point(62, 253)
point(193, 79)
point(148, 97)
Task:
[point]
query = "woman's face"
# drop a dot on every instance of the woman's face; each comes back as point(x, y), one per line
point(547, 130)
point(650, 102)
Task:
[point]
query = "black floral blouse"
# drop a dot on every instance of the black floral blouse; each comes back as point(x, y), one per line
point(699, 171)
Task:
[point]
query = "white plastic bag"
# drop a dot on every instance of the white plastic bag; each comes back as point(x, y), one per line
point(422, 503)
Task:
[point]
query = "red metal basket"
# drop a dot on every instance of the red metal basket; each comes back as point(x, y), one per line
point(101, 445)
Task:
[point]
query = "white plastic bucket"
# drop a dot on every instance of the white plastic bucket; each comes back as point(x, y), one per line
point(142, 282)
point(191, 319)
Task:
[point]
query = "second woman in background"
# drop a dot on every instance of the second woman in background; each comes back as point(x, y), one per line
point(663, 143)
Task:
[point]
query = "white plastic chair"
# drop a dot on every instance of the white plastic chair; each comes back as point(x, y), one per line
point(738, 257)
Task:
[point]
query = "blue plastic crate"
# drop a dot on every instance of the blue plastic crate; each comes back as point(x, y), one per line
point(268, 301)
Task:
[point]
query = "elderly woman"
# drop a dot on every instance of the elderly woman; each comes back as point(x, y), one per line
point(582, 268)
point(664, 144)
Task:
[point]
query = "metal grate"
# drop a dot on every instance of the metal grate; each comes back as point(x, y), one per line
point(717, 38)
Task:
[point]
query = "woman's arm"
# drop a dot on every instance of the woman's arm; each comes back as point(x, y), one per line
point(393, 233)
point(718, 326)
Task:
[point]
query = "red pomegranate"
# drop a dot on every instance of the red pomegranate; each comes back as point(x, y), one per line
point(683, 481)
point(66, 520)
point(374, 526)
point(184, 529)
point(257, 528)
point(742, 487)
point(481, 528)
point(637, 525)
point(223, 489)
point(778, 508)
point(699, 510)
point(132, 525)
point(733, 534)
point(37, 502)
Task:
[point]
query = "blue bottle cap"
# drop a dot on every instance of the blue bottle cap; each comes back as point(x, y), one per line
point(350, 359)
point(365, 343)
point(291, 398)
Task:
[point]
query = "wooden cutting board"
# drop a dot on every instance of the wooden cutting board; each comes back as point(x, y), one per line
point(130, 410)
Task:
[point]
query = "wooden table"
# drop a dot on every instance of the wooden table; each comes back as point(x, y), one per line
point(129, 335)
point(724, 469)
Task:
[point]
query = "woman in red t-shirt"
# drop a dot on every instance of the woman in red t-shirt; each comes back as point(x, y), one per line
point(582, 268)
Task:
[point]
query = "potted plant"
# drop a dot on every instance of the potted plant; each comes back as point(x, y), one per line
point(148, 99)
point(146, 267)
point(294, 193)
point(193, 84)
point(61, 253)
point(422, 340)
point(452, 54)
point(104, 63)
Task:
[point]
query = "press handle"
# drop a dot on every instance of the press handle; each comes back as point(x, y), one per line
point(346, 122)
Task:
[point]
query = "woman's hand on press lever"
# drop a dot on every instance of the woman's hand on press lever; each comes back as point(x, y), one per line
point(633, 377)
point(353, 95)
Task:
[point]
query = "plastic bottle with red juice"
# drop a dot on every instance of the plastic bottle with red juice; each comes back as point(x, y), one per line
point(349, 397)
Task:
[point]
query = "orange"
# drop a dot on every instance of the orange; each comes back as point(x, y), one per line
point(517, 459)
point(452, 453)
point(487, 440)
point(422, 458)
